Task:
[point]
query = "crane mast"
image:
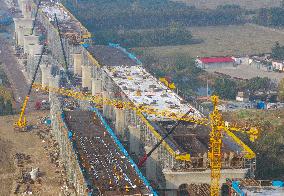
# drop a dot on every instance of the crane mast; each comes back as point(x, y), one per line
point(22, 122)
point(215, 144)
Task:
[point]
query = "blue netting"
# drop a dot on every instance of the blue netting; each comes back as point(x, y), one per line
point(235, 186)
point(278, 183)
point(130, 55)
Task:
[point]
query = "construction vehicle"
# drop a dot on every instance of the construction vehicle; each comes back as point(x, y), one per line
point(22, 123)
point(166, 81)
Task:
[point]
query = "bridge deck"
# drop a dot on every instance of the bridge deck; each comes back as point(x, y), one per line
point(107, 167)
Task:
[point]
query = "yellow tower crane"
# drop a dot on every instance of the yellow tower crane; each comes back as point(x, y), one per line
point(218, 128)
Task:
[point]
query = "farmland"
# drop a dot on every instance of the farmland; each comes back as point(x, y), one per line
point(223, 41)
point(251, 4)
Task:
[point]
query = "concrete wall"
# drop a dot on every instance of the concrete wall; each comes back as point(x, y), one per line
point(67, 155)
point(175, 179)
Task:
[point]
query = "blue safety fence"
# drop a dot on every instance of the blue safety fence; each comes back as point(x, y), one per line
point(85, 45)
point(121, 147)
point(130, 55)
point(235, 186)
point(6, 20)
point(78, 158)
point(278, 183)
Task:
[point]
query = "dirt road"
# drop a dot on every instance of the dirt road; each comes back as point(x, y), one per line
point(12, 67)
point(13, 72)
point(30, 144)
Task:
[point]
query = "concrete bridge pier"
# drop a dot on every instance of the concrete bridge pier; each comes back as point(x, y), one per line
point(26, 8)
point(96, 87)
point(22, 27)
point(78, 62)
point(53, 83)
point(87, 77)
point(30, 39)
point(120, 122)
point(151, 164)
point(134, 139)
point(45, 75)
point(34, 49)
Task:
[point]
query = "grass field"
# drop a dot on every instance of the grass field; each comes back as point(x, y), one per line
point(249, 4)
point(224, 41)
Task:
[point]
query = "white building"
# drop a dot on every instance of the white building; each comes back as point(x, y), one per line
point(214, 62)
point(277, 65)
point(242, 96)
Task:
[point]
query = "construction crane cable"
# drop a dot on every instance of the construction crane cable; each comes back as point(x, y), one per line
point(61, 42)
point(34, 23)
point(21, 123)
point(37, 67)
point(145, 157)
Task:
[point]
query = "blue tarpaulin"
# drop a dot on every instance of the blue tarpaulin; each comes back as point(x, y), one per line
point(85, 45)
point(261, 105)
point(235, 186)
point(278, 183)
point(6, 20)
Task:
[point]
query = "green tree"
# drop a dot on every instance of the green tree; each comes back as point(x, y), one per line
point(225, 88)
point(8, 109)
point(259, 84)
point(281, 90)
point(2, 105)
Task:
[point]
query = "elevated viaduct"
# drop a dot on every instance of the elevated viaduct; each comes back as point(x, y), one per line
point(108, 71)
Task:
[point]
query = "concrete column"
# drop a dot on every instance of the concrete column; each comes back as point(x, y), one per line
point(53, 83)
point(87, 77)
point(23, 22)
point(120, 123)
point(175, 178)
point(19, 3)
point(45, 75)
point(151, 164)
point(30, 39)
point(106, 106)
point(20, 34)
point(34, 49)
point(78, 62)
point(96, 87)
point(134, 139)
point(26, 8)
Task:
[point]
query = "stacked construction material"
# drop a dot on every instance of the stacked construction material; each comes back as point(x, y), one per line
point(105, 165)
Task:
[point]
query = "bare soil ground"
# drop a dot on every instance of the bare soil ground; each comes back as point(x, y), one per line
point(248, 4)
point(225, 40)
point(247, 72)
point(28, 143)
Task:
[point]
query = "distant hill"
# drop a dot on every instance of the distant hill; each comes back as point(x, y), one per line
point(249, 4)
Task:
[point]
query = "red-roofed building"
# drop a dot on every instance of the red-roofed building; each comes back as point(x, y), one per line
point(215, 62)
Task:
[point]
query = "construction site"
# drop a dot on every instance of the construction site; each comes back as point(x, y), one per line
point(107, 111)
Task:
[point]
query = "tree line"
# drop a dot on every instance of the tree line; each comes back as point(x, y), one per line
point(6, 107)
point(146, 22)
point(270, 16)
point(227, 88)
point(175, 34)
point(144, 14)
